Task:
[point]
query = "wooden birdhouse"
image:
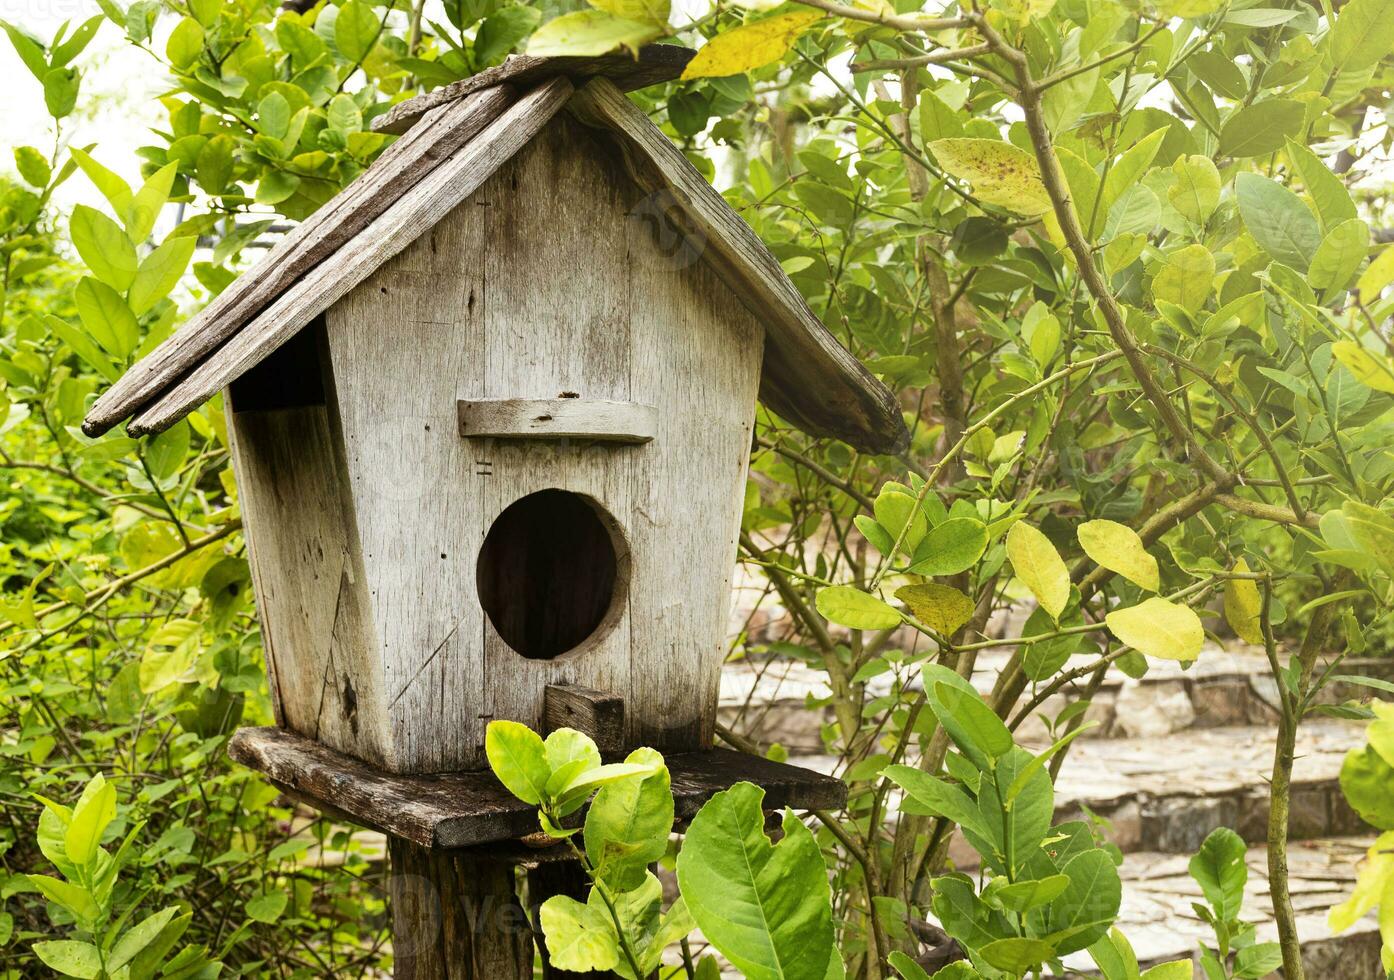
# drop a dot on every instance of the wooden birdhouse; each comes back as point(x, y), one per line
point(491, 410)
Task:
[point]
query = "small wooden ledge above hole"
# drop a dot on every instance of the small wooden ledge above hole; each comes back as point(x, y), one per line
point(558, 418)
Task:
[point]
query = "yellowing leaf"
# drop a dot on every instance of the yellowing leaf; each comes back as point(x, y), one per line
point(1372, 370)
point(589, 33)
point(855, 609)
point(1039, 566)
point(1189, 8)
point(1159, 628)
point(940, 607)
point(1119, 549)
point(1000, 173)
point(1185, 278)
point(750, 46)
point(1243, 606)
point(1377, 275)
point(1375, 880)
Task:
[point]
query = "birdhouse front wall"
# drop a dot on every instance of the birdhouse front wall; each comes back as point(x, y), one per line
point(368, 514)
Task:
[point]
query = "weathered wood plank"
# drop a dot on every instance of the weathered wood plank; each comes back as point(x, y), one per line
point(598, 714)
point(455, 917)
point(656, 63)
point(558, 418)
point(809, 378)
point(315, 239)
point(466, 808)
point(425, 203)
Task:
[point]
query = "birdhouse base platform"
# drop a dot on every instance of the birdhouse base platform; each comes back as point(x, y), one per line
point(467, 809)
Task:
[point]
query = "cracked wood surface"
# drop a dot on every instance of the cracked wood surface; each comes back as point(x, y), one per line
point(463, 809)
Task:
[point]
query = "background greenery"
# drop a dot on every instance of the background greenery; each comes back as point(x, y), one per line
point(1116, 258)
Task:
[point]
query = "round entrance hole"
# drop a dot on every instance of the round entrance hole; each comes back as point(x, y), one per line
point(549, 574)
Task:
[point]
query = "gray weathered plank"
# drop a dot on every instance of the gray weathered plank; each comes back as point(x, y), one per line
point(465, 808)
point(315, 239)
point(809, 378)
point(558, 418)
point(435, 194)
point(655, 63)
point(597, 714)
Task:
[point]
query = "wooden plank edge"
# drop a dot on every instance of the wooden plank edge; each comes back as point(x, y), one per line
point(557, 418)
point(435, 810)
point(655, 63)
point(312, 241)
point(450, 183)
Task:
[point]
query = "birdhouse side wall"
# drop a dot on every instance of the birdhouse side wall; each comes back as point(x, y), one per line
point(548, 283)
point(303, 550)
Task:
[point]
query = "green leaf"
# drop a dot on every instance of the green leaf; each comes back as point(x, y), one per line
point(71, 958)
point(185, 44)
point(894, 510)
point(78, 901)
point(60, 91)
point(1176, 970)
point(566, 745)
point(580, 937)
point(1196, 192)
point(1244, 606)
point(104, 247)
point(106, 317)
point(1039, 567)
point(83, 346)
point(29, 50)
point(653, 11)
point(1364, 33)
point(32, 166)
point(1368, 784)
point(750, 46)
point(1278, 220)
point(356, 30)
point(138, 937)
point(849, 606)
point(504, 30)
point(766, 907)
point(1086, 909)
point(940, 607)
point(590, 33)
point(999, 173)
point(1261, 128)
point(267, 907)
point(1219, 868)
point(1159, 628)
point(166, 451)
point(938, 798)
point(973, 726)
point(518, 758)
point(113, 187)
point(1016, 954)
point(147, 202)
point(1114, 956)
point(1328, 191)
point(628, 823)
point(159, 273)
point(1340, 255)
point(1258, 960)
point(1185, 278)
point(906, 967)
point(94, 812)
point(950, 547)
point(1119, 549)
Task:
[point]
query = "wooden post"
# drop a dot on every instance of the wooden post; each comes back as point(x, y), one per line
point(456, 916)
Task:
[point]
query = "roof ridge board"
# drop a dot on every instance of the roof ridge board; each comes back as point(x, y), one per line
point(654, 63)
point(808, 378)
point(439, 191)
point(311, 242)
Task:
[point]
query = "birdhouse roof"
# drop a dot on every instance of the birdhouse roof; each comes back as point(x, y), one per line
point(452, 140)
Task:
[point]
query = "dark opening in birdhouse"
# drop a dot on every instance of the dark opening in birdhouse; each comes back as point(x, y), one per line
point(550, 572)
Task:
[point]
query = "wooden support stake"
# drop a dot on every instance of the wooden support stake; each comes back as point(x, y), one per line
point(598, 714)
point(456, 916)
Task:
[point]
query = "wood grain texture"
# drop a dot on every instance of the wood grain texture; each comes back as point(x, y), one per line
point(455, 917)
point(655, 63)
point(809, 378)
point(598, 714)
point(416, 211)
point(308, 576)
point(315, 239)
point(463, 809)
point(558, 418)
